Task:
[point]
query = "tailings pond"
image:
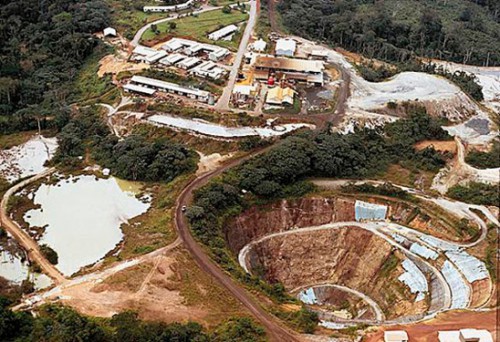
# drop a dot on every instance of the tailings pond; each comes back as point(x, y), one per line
point(82, 215)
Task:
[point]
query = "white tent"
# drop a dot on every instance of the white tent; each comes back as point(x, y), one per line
point(109, 31)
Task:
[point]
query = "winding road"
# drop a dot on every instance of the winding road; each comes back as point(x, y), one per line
point(276, 331)
point(30, 245)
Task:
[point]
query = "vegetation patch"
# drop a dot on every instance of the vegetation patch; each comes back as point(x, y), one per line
point(485, 160)
point(41, 53)
point(462, 31)
point(198, 26)
point(477, 193)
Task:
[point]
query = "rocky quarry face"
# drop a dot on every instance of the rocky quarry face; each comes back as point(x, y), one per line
point(348, 256)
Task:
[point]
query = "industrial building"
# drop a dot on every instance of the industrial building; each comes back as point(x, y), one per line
point(178, 7)
point(192, 48)
point(168, 87)
point(279, 96)
point(152, 59)
point(172, 59)
point(134, 88)
point(465, 335)
point(259, 45)
point(395, 336)
point(208, 69)
point(188, 63)
point(285, 47)
point(143, 53)
point(301, 70)
point(223, 33)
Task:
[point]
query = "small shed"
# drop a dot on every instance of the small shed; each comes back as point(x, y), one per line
point(285, 47)
point(109, 32)
point(259, 45)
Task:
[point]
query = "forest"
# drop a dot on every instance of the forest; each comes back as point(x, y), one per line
point(44, 43)
point(55, 323)
point(462, 31)
point(134, 157)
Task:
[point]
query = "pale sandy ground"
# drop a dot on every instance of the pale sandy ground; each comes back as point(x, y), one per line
point(27, 159)
point(211, 162)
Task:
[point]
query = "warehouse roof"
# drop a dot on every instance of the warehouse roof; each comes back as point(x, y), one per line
point(299, 65)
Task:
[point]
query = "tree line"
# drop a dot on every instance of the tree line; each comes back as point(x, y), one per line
point(134, 158)
point(44, 43)
point(55, 323)
point(459, 31)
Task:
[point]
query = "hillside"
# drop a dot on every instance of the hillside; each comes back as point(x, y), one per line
point(462, 31)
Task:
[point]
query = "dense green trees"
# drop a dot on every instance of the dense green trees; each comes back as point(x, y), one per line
point(133, 158)
point(136, 158)
point(477, 193)
point(43, 45)
point(62, 324)
point(460, 31)
point(485, 160)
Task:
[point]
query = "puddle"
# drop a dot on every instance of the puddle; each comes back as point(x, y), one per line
point(82, 217)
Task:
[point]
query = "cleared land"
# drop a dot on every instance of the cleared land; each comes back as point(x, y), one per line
point(198, 27)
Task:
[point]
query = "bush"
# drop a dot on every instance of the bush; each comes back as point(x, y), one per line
point(485, 160)
point(50, 254)
point(476, 193)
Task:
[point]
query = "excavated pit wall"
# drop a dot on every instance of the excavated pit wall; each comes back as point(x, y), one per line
point(285, 215)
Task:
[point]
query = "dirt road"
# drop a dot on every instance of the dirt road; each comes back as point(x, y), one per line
point(274, 329)
point(223, 102)
point(22, 237)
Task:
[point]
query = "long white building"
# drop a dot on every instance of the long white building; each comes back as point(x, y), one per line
point(223, 32)
point(168, 87)
point(193, 48)
point(178, 7)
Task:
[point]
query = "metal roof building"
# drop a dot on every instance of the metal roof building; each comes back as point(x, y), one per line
point(223, 32)
point(178, 7)
point(285, 47)
point(138, 89)
point(169, 87)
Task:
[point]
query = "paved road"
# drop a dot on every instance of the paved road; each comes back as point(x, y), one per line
point(275, 330)
point(22, 237)
point(223, 102)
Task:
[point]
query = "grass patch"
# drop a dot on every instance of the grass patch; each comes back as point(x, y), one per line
point(197, 27)
point(389, 265)
point(88, 87)
point(153, 229)
point(198, 143)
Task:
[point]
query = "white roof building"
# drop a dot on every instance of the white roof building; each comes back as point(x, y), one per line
point(188, 63)
point(259, 45)
point(218, 54)
point(138, 89)
point(285, 47)
point(223, 32)
point(208, 69)
point(465, 335)
point(141, 53)
point(109, 31)
point(178, 7)
point(395, 336)
point(244, 89)
point(169, 87)
point(191, 47)
point(151, 59)
point(172, 59)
